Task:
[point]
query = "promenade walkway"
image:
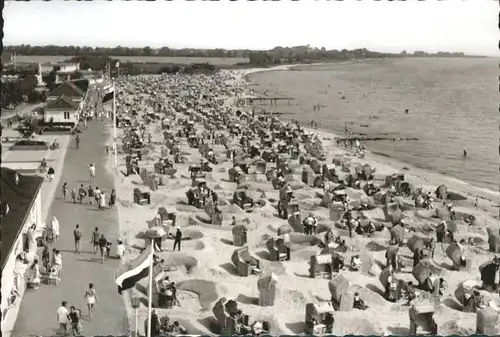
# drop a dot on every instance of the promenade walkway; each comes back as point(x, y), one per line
point(37, 314)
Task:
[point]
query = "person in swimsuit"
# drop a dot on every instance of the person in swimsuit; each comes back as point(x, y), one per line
point(91, 299)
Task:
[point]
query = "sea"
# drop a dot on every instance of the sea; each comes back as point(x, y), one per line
point(453, 105)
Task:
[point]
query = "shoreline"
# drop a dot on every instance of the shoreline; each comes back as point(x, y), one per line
point(425, 174)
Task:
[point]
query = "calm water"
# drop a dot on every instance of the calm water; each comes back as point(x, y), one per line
point(453, 104)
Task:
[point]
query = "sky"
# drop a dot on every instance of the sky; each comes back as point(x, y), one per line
point(469, 26)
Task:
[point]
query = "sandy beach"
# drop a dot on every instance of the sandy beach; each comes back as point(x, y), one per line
point(203, 270)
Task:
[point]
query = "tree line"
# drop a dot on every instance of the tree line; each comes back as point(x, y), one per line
point(306, 54)
point(277, 55)
point(26, 49)
point(100, 63)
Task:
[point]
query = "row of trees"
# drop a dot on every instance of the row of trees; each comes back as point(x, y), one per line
point(100, 63)
point(277, 55)
point(123, 51)
point(306, 54)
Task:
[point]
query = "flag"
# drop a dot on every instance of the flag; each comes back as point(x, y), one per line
point(109, 92)
point(137, 270)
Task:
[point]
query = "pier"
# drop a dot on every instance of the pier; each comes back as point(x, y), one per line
point(268, 100)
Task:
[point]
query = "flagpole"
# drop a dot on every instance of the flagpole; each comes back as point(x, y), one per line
point(114, 127)
point(150, 294)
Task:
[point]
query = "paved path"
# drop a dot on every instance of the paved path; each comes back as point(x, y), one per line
point(37, 312)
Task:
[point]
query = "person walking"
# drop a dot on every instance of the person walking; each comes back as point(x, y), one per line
point(91, 299)
point(65, 190)
point(57, 261)
point(90, 193)
point(120, 250)
point(112, 198)
point(173, 288)
point(81, 193)
point(177, 240)
point(97, 195)
point(92, 172)
point(77, 233)
point(35, 274)
point(46, 258)
point(55, 228)
point(77, 140)
point(73, 195)
point(63, 318)
point(76, 326)
point(102, 201)
point(103, 243)
point(95, 239)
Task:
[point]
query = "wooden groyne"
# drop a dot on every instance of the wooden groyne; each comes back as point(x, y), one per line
point(269, 100)
point(374, 139)
point(264, 113)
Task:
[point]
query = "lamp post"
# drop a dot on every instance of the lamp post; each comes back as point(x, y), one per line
point(152, 234)
point(136, 301)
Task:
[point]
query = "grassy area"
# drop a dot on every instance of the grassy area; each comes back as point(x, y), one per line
point(139, 59)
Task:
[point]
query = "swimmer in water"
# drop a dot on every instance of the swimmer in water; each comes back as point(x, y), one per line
point(465, 153)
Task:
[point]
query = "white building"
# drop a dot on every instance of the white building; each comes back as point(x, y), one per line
point(63, 70)
point(62, 110)
point(21, 207)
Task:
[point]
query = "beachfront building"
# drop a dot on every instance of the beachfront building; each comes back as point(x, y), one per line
point(63, 71)
point(62, 110)
point(69, 90)
point(21, 207)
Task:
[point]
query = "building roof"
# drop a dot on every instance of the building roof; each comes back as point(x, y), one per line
point(61, 103)
point(83, 84)
point(67, 89)
point(20, 198)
